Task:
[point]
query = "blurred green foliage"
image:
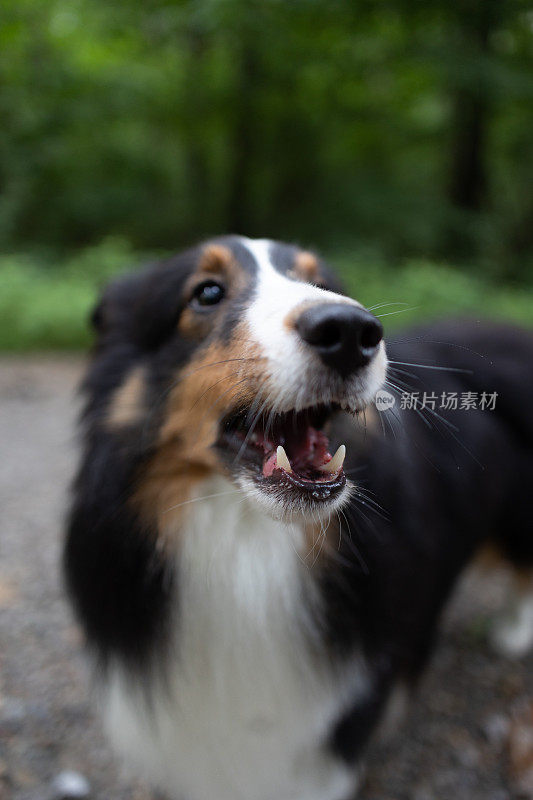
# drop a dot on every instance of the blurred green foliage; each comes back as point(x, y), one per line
point(397, 131)
point(399, 124)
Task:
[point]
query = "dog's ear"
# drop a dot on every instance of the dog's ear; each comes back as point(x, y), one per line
point(331, 280)
point(142, 308)
point(115, 304)
point(97, 316)
point(328, 278)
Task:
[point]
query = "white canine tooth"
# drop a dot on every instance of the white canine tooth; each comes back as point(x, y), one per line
point(282, 459)
point(336, 462)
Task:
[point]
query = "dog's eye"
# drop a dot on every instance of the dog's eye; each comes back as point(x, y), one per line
point(208, 293)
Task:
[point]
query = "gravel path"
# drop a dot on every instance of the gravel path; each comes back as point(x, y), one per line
point(468, 737)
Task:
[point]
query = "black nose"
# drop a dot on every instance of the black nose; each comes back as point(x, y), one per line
point(344, 336)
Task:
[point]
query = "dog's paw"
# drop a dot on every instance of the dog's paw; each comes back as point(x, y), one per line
point(512, 633)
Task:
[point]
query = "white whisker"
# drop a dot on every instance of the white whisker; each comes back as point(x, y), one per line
point(430, 366)
point(198, 499)
point(401, 311)
point(382, 305)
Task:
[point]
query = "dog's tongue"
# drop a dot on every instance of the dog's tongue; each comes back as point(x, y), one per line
point(307, 448)
point(304, 451)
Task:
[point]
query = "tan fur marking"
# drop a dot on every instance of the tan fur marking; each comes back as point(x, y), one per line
point(524, 579)
point(192, 325)
point(127, 403)
point(293, 316)
point(215, 258)
point(489, 557)
point(217, 262)
point(219, 379)
point(306, 267)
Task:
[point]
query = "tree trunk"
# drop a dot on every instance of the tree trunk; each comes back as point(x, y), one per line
point(469, 180)
point(239, 208)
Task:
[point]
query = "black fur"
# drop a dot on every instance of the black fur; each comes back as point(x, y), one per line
point(434, 488)
point(443, 491)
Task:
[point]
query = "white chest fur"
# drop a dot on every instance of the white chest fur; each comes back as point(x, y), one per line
point(248, 706)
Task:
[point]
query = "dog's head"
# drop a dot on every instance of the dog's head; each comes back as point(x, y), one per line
point(232, 358)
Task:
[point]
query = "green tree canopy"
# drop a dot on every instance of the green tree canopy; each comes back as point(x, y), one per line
point(399, 125)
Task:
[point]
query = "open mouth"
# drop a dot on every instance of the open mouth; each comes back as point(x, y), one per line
point(287, 452)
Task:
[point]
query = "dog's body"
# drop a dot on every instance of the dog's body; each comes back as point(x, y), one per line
point(251, 609)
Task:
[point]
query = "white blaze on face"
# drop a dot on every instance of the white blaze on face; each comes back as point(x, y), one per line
point(296, 376)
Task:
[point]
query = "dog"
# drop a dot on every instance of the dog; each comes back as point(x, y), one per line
point(257, 555)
